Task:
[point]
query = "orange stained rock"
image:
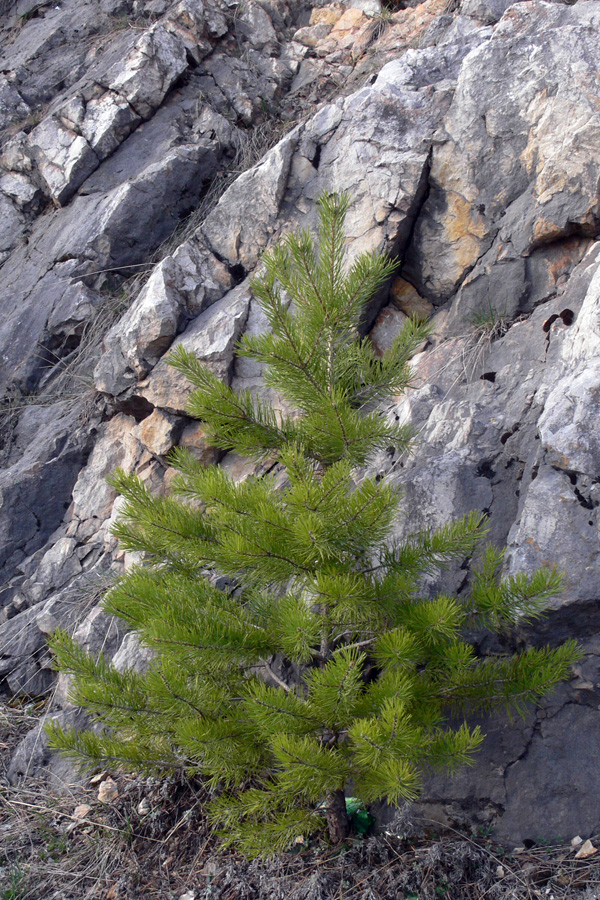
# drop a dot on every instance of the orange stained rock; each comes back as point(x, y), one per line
point(563, 256)
point(533, 544)
point(327, 15)
point(559, 259)
point(407, 24)
point(346, 34)
point(351, 19)
point(407, 298)
point(544, 231)
point(354, 30)
point(465, 229)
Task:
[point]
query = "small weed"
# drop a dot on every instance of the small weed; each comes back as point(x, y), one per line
point(56, 844)
point(16, 886)
point(380, 24)
point(119, 22)
point(33, 13)
point(485, 327)
point(489, 322)
point(473, 345)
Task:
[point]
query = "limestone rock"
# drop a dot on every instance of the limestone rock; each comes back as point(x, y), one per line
point(193, 438)
point(407, 298)
point(69, 144)
point(250, 85)
point(369, 7)
point(212, 336)
point(254, 24)
point(108, 791)
point(158, 432)
point(545, 787)
point(49, 447)
point(12, 105)
point(310, 35)
point(328, 14)
point(93, 498)
point(48, 53)
point(504, 174)
point(96, 633)
point(393, 149)
point(12, 226)
point(59, 564)
point(178, 289)
point(25, 662)
point(148, 71)
point(569, 457)
point(196, 26)
point(574, 400)
point(33, 757)
point(387, 327)
point(131, 203)
point(99, 633)
point(106, 123)
point(346, 33)
point(21, 190)
point(15, 154)
point(77, 306)
point(487, 11)
point(132, 655)
point(64, 158)
point(258, 193)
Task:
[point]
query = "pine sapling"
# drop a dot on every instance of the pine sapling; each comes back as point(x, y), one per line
point(295, 652)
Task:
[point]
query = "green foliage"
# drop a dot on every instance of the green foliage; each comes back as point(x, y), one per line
point(295, 651)
point(312, 355)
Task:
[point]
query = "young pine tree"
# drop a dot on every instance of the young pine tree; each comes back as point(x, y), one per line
point(295, 655)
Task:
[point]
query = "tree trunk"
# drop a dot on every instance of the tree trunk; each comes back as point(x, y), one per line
point(338, 822)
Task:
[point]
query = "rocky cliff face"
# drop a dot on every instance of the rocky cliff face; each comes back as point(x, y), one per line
point(151, 151)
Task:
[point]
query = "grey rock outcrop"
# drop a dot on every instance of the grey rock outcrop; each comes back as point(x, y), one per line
point(179, 289)
point(470, 152)
point(509, 179)
point(212, 337)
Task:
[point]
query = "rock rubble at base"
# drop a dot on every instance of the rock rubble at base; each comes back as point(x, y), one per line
point(467, 139)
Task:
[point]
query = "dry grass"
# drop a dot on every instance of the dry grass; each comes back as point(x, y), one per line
point(469, 350)
point(153, 841)
point(483, 331)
